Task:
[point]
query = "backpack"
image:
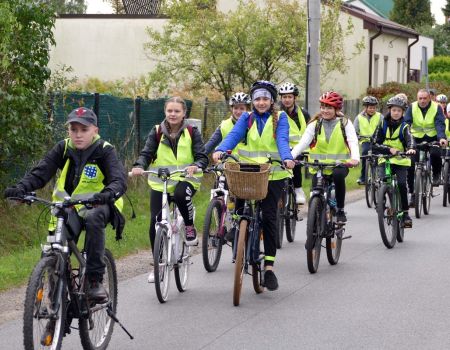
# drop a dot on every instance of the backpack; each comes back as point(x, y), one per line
point(343, 122)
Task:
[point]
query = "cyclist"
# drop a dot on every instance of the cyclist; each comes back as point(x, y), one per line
point(442, 100)
point(427, 124)
point(395, 136)
point(265, 131)
point(331, 138)
point(366, 124)
point(239, 103)
point(89, 168)
point(404, 97)
point(298, 117)
point(173, 144)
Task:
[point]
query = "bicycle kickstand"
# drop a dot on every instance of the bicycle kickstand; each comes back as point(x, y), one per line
point(114, 317)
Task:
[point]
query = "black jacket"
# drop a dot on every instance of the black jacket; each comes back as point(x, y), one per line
point(380, 137)
point(148, 154)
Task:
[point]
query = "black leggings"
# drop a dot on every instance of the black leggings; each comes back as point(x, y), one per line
point(338, 176)
point(401, 172)
point(182, 197)
point(297, 179)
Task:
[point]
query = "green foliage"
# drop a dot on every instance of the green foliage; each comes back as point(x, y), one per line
point(412, 13)
point(67, 6)
point(439, 64)
point(441, 36)
point(440, 76)
point(25, 39)
point(205, 48)
point(446, 9)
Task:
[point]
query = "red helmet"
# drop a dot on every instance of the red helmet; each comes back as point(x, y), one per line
point(333, 99)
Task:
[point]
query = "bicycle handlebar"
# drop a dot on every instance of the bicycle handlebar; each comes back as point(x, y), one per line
point(426, 145)
point(317, 164)
point(31, 198)
point(171, 173)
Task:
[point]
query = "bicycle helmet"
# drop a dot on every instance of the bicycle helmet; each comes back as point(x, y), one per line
point(398, 102)
point(240, 98)
point(369, 101)
point(441, 98)
point(264, 84)
point(288, 88)
point(332, 98)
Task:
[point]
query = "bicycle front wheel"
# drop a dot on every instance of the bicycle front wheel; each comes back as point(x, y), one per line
point(445, 184)
point(418, 191)
point(240, 262)
point(161, 264)
point(334, 243)
point(314, 227)
point(428, 193)
point(182, 268)
point(387, 217)
point(291, 216)
point(400, 218)
point(369, 184)
point(96, 332)
point(280, 223)
point(45, 307)
point(211, 242)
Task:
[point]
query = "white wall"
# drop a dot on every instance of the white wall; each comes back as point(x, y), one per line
point(416, 51)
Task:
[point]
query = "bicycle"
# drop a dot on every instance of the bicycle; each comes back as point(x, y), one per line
point(372, 183)
point(446, 178)
point(57, 288)
point(218, 219)
point(170, 249)
point(321, 222)
point(389, 210)
point(423, 187)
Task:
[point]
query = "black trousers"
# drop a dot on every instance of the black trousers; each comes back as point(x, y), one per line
point(182, 197)
point(365, 147)
point(401, 172)
point(338, 177)
point(297, 179)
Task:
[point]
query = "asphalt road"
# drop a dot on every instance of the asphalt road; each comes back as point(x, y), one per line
point(374, 298)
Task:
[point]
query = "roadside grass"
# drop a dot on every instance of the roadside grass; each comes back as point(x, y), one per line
point(20, 238)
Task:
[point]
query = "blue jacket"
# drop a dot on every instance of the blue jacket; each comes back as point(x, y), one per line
point(239, 131)
point(439, 121)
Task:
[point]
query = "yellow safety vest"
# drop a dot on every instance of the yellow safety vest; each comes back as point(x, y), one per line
point(331, 151)
point(259, 146)
point(393, 141)
point(165, 158)
point(447, 131)
point(367, 127)
point(225, 127)
point(421, 125)
point(295, 133)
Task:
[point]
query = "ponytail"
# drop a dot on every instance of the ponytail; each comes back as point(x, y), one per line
point(274, 113)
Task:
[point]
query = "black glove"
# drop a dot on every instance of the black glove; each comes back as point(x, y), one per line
point(103, 197)
point(14, 191)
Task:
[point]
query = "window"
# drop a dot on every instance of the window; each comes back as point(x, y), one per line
point(385, 70)
point(375, 70)
point(399, 76)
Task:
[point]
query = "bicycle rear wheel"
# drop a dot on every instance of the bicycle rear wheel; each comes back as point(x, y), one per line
point(369, 183)
point(445, 184)
point(182, 268)
point(291, 216)
point(334, 243)
point(280, 223)
point(161, 264)
point(240, 262)
point(418, 191)
point(314, 228)
point(211, 242)
point(96, 332)
point(387, 217)
point(45, 307)
point(401, 226)
point(427, 194)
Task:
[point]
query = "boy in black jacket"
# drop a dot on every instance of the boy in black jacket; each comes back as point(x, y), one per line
point(395, 136)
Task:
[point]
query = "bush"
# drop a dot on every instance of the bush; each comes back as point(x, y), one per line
point(441, 77)
point(438, 64)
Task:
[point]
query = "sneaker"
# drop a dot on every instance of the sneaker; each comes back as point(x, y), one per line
point(300, 196)
point(407, 221)
point(436, 180)
point(151, 277)
point(412, 200)
point(97, 293)
point(361, 182)
point(270, 280)
point(340, 216)
point(47, 336)
point(191, 235)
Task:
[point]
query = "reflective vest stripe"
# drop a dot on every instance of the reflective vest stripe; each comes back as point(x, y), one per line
point(329, 156)
point(255, 154)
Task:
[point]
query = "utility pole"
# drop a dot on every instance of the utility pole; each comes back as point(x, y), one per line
point(313, 58)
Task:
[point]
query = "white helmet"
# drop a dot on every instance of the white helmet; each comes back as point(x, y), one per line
point(441, 98)
point(288, 88)
point(240, 98)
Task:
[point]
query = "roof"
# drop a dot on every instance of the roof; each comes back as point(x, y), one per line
point(380, 7)
point(142, 7)
point(375, 23)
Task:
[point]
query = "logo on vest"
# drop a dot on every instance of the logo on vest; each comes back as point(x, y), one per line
point(90, 171)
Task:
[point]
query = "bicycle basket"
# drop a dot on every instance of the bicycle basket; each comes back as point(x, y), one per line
point(247, 181)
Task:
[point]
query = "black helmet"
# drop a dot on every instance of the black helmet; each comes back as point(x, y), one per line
point(369, 101)
point(398, 102)
point(264, 84)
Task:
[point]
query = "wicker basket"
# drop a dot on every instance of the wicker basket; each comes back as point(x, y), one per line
point(247, 181)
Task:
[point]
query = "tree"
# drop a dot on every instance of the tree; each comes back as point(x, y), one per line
point(117, 6)
point(27, 36)
point(68, 6)
point(446, 9)
point(412, 13)
point(228, 51)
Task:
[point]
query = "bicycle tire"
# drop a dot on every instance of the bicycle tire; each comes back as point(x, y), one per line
point(375, 185)
point(37, 293)
point(428, 194)
point(240, 262)
point(256, 278)
point(211, 243)
point(161, 265)
point(445, 184)
point(387, 219)
point(280, 223)
point(333, 246)
point(401, 226)
point(182, 268)
point(418, 190)
point(91, 339)
point(368, 186)
point(291, 216)
point(313, 231)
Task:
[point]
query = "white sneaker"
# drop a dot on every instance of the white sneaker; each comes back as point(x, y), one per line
point(151, 277)
point(300, 196)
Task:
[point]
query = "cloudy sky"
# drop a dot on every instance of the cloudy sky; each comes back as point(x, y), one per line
point(100, 6)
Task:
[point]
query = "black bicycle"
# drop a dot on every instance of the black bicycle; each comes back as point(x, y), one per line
point(57, 289)
point(372, 183)
point(446, 177)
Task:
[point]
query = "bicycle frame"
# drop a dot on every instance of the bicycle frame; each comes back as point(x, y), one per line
point(220, 193)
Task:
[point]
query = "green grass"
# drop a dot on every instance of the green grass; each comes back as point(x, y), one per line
point(20, 239)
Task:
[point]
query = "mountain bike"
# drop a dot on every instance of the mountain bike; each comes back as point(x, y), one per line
point(446, 177)
point(58, 286)
point(372, 183)
point(170, 253)
point(321, 222)
point(389, 210)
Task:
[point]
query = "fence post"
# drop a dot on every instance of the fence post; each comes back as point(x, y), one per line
point(97, 107)
point(205, 116)
point(137, 122)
